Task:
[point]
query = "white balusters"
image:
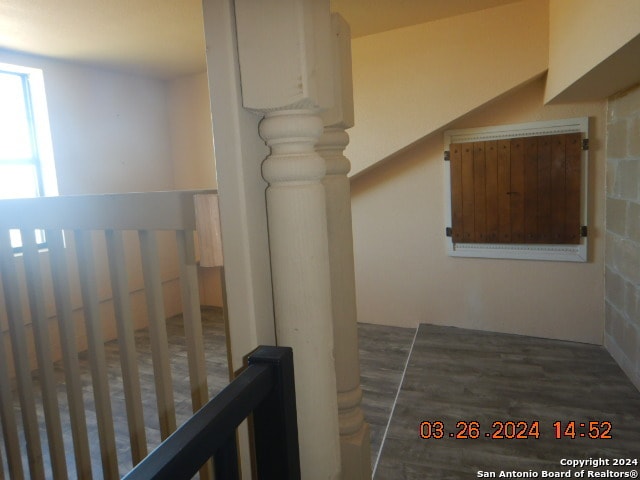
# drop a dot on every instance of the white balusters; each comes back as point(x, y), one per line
point(128, 359)
point(33, 327)
point(40, 325)
point(69, 346)
point(97, 360)
point(9, 427)
point(193, 326)
point(192, 318)
point(20, 356)
point(158, 332)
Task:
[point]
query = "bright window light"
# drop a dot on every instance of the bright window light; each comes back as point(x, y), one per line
point(15, 131)
point(26, 154)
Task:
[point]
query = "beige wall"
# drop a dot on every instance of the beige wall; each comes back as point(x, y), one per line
point(404, 277)
point(584, 35)
point(114, 132)
point(412, 81)
point(191, 133)
point(110, 134)
point(109, 130)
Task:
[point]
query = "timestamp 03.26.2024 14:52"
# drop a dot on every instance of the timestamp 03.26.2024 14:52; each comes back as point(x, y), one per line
point(516, 430)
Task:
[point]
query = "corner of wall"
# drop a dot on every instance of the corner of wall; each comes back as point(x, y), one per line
point(594, 66)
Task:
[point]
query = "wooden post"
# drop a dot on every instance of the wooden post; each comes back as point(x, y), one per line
point(285, 50)
point(355, 445)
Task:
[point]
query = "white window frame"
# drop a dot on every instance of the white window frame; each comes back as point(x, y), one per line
point(39, 117)
point(566, 253)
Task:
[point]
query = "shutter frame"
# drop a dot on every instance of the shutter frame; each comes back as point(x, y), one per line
point(534, 244)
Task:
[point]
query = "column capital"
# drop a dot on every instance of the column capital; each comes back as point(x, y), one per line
point(284, 47)
point(341, 113)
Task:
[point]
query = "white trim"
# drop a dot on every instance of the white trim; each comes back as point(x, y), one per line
point(41, 127)
point(43, 133)
point(395, 401)
point(567, 253)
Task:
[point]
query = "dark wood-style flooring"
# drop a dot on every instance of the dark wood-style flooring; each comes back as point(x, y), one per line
point(463, 375)
point(433, 374)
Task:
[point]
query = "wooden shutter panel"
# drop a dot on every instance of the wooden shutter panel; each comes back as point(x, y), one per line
point(516, 192)
point(491, 169)
point(521, 190)
point(457, 222)
point(544, 189)
point(504, 189)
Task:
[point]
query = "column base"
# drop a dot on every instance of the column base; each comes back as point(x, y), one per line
point(355, 451)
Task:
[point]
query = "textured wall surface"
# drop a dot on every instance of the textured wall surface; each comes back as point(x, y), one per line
point(622, 265)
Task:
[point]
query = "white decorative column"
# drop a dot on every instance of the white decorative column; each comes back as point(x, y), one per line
point(355, 444)
point(284, 48)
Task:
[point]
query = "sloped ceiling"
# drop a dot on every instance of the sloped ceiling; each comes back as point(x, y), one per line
point(165, 38)
point(367, 17)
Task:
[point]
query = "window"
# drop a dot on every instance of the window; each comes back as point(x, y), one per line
point(518, 191)
point(26, 155)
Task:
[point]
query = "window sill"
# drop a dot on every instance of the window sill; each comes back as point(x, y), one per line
point(558, 253)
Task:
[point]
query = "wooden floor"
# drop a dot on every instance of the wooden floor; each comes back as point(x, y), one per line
point(458, 375)
point(434, 374)
point(383, 356)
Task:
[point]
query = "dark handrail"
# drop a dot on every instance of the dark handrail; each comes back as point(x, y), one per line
point(265, 388)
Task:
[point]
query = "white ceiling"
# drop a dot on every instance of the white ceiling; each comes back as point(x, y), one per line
point(156, 37)
point(165, 38)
